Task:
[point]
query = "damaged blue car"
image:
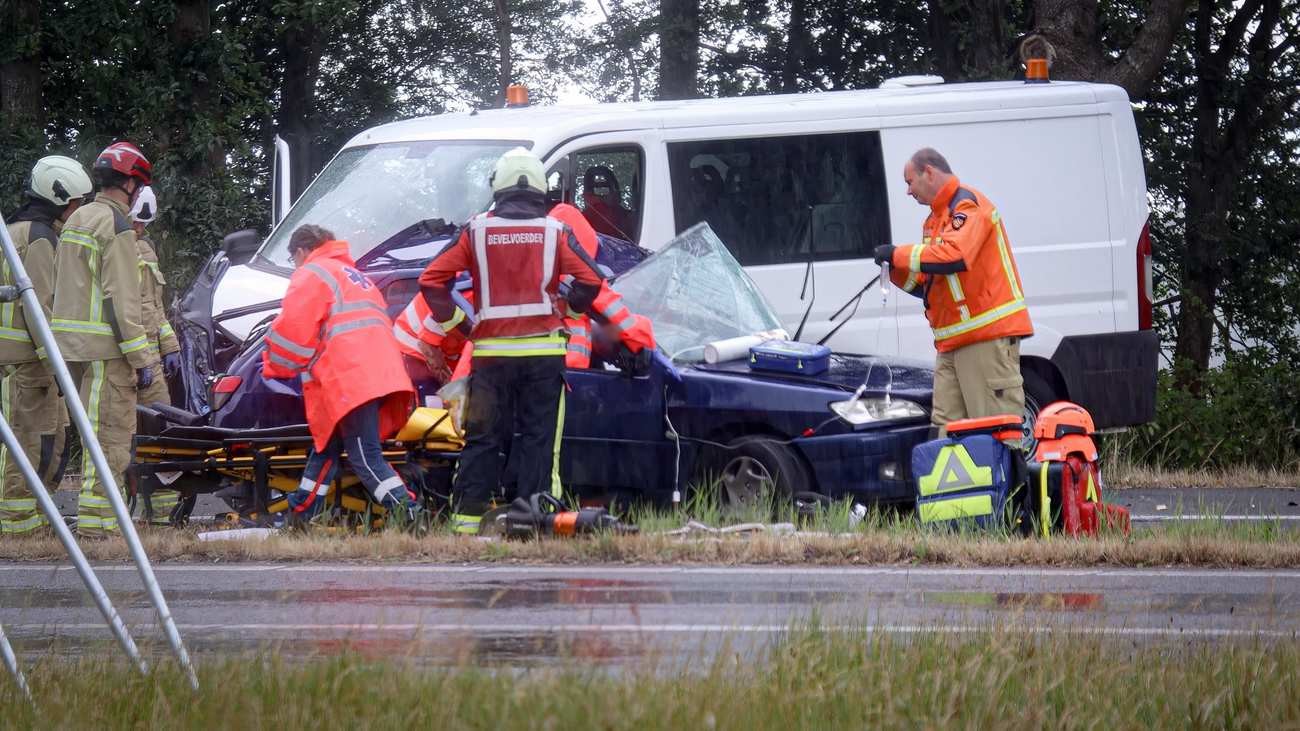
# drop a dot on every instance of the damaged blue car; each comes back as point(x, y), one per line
point(650, 431)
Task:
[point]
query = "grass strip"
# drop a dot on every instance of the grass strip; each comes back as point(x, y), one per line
point(1208, 543)
point(807, 679)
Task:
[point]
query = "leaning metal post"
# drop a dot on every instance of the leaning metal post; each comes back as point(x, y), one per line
point(89, 441)
point(11, 662)
point(87, 573)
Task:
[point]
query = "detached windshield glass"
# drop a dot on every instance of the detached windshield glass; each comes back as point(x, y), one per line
point(367, 194)
point(695, 292)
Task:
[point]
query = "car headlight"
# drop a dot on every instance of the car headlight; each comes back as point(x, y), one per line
point(865, 410)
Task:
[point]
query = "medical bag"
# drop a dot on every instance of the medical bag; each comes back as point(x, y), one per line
point(971, 475)
point(1067, 491)
point(788, 356)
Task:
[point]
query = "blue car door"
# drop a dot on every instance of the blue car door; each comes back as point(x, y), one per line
point(614, 432)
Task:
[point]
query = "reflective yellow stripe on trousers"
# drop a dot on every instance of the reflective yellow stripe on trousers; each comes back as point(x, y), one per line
point(553, 344)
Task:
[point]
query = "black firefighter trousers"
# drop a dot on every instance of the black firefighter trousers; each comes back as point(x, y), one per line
point(514, 402)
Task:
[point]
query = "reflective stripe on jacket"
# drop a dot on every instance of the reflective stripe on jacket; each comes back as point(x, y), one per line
point(965, 271)
point(34, 241)
point(416, 326)
point(333, 329)
point(162, 339)
point(96, 310)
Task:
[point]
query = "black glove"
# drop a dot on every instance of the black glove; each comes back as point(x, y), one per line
point(884, 254)
point(632, 364)
point(171, 364)
point(143, 377)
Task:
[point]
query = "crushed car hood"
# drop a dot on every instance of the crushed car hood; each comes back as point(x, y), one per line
point(847, 372)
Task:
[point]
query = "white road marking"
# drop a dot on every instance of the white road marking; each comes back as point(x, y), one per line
point(497, 629)
point(1211, 518)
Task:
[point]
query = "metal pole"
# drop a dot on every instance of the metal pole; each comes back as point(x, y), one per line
point(89, 441)
point(11, 662)
point(87, 573)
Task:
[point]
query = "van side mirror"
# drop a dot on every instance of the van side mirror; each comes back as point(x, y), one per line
point(241, 245)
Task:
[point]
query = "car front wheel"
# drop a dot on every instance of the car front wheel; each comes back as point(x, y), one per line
point(758, 468)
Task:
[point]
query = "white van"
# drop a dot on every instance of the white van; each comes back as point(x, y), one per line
point(789, 179)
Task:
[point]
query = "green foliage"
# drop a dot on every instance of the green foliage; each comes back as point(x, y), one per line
point(1246, 415)
point(814, 676)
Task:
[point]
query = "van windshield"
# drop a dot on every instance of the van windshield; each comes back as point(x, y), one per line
point(367, 194)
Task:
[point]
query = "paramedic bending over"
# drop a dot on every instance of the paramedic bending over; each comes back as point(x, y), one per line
point(334, 332)
point(965, 272)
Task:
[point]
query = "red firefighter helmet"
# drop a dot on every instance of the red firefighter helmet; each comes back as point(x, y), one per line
point(126, 159)
point(1062, 429)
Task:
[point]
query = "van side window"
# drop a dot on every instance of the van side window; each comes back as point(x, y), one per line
point(607, 188)
point(775, 200)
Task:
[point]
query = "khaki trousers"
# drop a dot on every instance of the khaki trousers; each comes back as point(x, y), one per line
point(980, 379)
point(157, 502)
point(35, 411)
point(108, 393)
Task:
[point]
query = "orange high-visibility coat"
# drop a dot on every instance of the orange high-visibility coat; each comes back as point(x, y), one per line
point(965, 271)
point(416, 325)
point(333, 330)
point(634, 330)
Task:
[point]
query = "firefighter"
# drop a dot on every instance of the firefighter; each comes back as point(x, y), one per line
point(97, 321)
point(158, 503)
point(333, 331)
point(516, 254)
point(29, 395)
point(965, 272)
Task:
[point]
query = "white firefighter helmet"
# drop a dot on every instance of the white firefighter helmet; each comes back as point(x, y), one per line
point(518, 169)
point(145, 209)
point(59, 180)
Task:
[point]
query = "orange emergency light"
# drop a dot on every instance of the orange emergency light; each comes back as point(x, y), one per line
point(516, 95)
point(1036, 71)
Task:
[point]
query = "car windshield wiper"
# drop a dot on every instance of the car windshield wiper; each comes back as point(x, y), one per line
point(420, 232)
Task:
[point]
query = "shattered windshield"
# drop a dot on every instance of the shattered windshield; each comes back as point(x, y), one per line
point(367, 194)
point(695, 292)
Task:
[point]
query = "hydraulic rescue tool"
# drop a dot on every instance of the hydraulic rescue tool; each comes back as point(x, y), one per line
point(544, 515)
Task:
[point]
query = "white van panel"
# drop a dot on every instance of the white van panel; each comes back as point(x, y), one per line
point(1057, 221)
point(243, 286)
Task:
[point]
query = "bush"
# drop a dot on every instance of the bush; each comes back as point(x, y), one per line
point(1245, 415)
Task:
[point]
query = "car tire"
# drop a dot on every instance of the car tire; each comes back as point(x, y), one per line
point(1038, 394)
point(753, 467)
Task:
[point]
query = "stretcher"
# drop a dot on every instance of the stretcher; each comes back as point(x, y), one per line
point(254, 469)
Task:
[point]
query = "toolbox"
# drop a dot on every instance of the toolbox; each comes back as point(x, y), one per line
point(786, 356)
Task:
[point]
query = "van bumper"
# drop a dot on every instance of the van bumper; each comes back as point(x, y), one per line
point(1113, 375)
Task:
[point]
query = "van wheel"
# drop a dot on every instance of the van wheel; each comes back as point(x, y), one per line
point(1037, 395)
point(757, 468)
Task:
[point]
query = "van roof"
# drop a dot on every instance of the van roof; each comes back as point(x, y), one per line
point(547, 126)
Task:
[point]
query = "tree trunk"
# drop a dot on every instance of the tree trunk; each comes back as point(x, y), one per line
point(302, 46)
point(679, 49)
point(969, 39)
point(21, 101)
point(504, 40)
point(1071, 27)
point(796, 48)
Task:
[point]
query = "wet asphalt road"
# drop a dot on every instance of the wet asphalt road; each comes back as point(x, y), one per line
point(612, 616)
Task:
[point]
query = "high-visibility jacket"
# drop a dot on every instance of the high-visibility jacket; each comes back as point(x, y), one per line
point(96, 310)
point(34, 237)
point(634, 330)
point(965, 271)
point(333, 329)
point(516, 255)
point(162, 338)
point(416, 326)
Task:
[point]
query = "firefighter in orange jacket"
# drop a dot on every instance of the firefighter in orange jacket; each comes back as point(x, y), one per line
point(430, 346)
point(607, 307)
point(516, 254)
point(964, 271)
point(334, 332)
